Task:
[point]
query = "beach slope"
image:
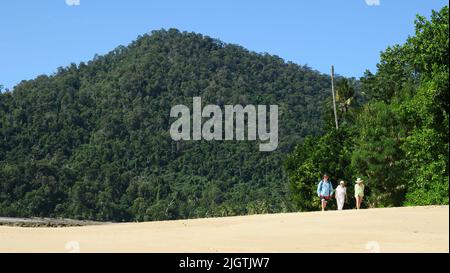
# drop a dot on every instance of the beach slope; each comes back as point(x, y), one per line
point(408, 229)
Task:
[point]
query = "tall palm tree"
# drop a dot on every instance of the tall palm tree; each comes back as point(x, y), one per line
point(345, 95)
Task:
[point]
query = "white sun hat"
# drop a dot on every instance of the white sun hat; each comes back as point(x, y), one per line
point(359, 180)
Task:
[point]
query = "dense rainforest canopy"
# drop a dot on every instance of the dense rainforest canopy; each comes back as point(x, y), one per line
point(398, 140)
point(92, 141)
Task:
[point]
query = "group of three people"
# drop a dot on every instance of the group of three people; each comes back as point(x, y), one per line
point(325, 191)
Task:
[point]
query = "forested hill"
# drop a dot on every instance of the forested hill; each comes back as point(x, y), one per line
point(92, 141)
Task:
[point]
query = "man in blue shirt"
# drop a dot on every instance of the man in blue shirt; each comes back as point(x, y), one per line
point(324, 191)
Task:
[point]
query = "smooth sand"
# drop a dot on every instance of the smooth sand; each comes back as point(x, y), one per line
point(411, 229)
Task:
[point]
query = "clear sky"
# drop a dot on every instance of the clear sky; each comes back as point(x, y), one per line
point(36, 37)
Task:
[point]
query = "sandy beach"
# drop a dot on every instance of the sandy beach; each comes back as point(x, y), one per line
point(409, 229)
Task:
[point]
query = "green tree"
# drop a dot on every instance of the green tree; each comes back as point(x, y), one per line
point(399, 140)
point(103, 127)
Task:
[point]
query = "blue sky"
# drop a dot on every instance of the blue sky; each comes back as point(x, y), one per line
point(36, 37)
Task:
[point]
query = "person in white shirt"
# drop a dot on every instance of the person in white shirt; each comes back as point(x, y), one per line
point(341, 195)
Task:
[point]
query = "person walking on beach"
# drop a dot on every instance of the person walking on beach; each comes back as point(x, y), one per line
point(341, 195)
point(324, 191)
point(359, 192)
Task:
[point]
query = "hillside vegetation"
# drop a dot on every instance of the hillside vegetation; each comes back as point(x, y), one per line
point(398, 141)
point(92, 141)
